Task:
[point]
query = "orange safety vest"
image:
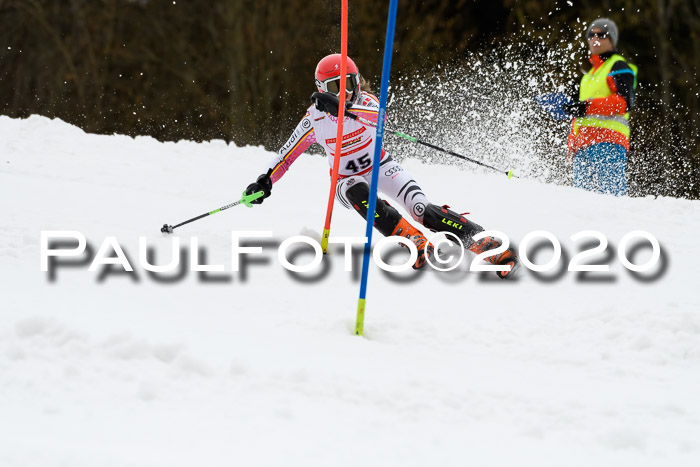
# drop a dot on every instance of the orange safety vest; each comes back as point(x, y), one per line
point(593, 129)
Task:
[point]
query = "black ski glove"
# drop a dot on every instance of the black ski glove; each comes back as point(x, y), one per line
point(327, 102)
point(576, 109)
point(264, 184)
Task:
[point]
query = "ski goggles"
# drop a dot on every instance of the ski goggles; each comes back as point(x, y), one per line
point(332, 85)
point(599, 35)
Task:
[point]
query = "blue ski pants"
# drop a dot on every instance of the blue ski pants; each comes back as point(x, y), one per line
point(601, 168)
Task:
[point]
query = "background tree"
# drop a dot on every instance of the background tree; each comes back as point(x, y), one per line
point(241, 70)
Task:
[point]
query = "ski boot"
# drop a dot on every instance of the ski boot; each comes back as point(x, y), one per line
point(442, 219)
point(507, 258)
point(425, 249)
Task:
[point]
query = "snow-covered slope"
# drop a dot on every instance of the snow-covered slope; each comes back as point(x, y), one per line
point(455, 369)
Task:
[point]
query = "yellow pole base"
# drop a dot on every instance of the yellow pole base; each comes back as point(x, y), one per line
point(324, 240)
point(360, 322)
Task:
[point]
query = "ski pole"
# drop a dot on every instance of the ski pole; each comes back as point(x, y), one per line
point(424, 143)
point(245, 199)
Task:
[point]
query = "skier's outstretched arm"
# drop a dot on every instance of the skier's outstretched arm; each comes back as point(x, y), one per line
point(300, 140)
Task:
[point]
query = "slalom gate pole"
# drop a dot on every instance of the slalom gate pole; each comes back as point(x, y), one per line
point(386, 68)
point(341, 118)
point(509, 173)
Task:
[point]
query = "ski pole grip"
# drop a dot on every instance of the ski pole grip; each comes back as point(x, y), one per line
point(247, 199)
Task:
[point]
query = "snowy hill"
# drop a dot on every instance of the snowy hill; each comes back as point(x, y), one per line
point(124, 369)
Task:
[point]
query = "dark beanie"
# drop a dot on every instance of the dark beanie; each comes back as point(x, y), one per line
point(606, 25)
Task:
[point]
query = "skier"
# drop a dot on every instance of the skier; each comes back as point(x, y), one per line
point(319, 125)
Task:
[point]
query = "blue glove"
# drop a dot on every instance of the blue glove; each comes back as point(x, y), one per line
point(555, 104)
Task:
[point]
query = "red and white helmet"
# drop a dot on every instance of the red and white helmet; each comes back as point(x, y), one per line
point(328, 77)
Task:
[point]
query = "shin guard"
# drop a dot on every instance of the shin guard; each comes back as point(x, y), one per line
point(442, 219)
point(386, 218)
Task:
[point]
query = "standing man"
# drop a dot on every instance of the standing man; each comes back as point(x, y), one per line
point(600, 133)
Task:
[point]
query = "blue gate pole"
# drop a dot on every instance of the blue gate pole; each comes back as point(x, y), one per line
point(386, 68)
